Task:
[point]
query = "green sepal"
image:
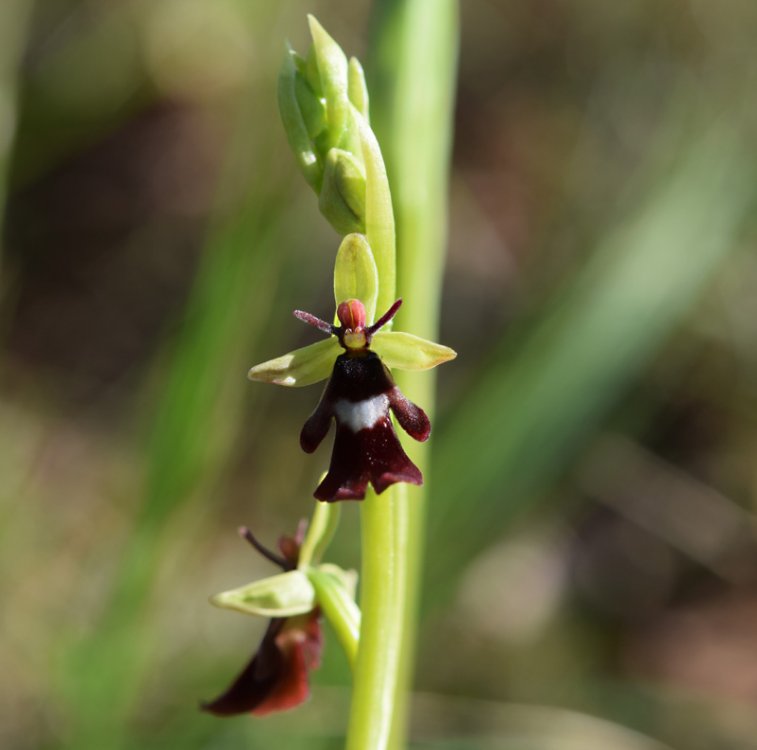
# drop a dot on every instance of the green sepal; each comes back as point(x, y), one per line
point(346, 578)
point(355, 274)
point(336, 600)
point(332, 72)
point(283, 595)
point(356, 87)
point(408, 352)
point(342, 196)
point(320, 532)
point(294, 123)
point(300, 367)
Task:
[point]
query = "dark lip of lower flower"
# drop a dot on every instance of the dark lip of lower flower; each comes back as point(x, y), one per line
point(276, 677)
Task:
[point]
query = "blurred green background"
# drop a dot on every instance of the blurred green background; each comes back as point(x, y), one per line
point(592, 567)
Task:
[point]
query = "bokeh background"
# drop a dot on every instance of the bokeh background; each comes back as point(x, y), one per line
point(592, 564)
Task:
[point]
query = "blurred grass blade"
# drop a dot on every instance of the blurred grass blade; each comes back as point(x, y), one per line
point(192, 430)
point(524, 420)
point(14, 18)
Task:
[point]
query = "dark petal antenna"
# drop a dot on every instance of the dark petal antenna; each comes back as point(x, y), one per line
point(385, 318)
point(311, 320)
point(245, 533)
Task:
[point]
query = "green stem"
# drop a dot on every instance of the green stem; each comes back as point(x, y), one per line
point(383, 520)
point(416, 50)
point(412, 85)
point(378, 668)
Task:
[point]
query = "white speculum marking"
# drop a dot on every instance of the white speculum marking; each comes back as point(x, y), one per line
point(361, 415)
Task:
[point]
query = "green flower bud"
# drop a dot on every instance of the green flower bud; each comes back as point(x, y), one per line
point(356, 87)
point(342, 196)
point(332, 73)
point(295, 125)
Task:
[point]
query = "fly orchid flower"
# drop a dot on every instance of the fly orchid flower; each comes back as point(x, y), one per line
point(360, 394)
point(276, 678)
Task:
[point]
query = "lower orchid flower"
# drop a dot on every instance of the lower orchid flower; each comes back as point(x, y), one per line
point(276, 678)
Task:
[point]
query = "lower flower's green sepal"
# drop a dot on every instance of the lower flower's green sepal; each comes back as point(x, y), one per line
point(283, 595)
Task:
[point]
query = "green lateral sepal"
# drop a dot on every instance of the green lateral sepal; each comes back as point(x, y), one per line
point(304, 366)
point(406, 351)
point(283, 595)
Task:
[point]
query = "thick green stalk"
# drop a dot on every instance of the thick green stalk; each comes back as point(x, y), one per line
point(383, 520)
point(416, 51)
point(384, 553)
point(414, 74)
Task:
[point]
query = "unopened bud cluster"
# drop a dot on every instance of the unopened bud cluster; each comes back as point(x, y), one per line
point(320, 98)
